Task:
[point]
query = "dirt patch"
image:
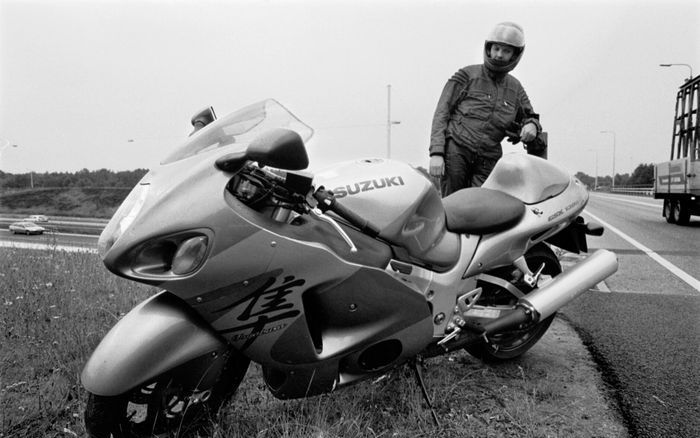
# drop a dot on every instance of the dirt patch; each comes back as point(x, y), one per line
point(565, 380)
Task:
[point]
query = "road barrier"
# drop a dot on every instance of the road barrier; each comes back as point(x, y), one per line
point(646, 191)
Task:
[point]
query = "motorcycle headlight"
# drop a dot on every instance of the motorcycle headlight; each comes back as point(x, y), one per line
point(189, 255)
point(170, 256)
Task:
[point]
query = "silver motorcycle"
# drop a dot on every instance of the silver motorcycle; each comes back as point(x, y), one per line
point(323, 279)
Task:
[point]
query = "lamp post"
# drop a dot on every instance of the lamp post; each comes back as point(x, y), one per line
point(389, 122)
point(613, 156)
point(686, 65)
point(595, 184)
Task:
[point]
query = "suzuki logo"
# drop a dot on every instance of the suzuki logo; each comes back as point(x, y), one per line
point(366, 186)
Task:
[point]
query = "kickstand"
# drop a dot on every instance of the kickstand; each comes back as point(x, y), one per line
point(416, 363)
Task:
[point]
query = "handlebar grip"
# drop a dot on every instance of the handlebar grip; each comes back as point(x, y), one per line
point(363, 224)
point(327, 201)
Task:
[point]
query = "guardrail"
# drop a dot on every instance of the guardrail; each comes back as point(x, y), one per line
point(635, 190)
point(646, 190)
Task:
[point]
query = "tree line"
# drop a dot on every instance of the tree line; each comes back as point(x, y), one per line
point(643, 175)
point(82, 178)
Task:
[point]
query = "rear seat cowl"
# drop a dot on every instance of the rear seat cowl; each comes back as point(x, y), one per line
point(528, 178)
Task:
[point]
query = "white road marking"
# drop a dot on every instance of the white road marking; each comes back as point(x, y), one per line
point(675, 270)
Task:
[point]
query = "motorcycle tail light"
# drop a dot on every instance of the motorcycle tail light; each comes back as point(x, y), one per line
point(189, 255)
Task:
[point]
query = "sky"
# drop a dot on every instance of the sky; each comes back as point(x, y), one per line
point(112, 84)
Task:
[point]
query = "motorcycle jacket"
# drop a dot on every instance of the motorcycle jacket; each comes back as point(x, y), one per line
point(476, 108)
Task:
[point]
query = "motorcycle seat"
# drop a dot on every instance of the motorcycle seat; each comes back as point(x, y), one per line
point(478, 210)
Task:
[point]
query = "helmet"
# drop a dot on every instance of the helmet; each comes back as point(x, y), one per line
point(508, 33)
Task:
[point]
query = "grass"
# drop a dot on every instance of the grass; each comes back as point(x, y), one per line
point(56, 306)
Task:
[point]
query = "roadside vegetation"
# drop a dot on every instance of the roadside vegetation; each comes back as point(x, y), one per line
point(98, 194)
point(94, 194)
point(55, 307)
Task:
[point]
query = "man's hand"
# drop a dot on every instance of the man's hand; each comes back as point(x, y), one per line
point(528, 133)
point(437, 166)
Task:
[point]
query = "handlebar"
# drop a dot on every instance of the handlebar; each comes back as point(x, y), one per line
point(326, 201)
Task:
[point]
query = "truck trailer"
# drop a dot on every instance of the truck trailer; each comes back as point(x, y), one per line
point(677, 181)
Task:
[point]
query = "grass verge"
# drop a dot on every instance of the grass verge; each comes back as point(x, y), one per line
point(55, 307)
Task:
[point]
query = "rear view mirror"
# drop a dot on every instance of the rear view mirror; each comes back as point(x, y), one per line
point(280, 148)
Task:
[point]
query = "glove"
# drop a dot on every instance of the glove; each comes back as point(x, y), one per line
point(528, 133)
point(437, 166)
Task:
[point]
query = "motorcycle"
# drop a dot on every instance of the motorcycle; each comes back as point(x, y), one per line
point(323, 279)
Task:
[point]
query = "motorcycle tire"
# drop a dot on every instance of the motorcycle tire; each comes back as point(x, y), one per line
point(510, 345)
point(164, 407)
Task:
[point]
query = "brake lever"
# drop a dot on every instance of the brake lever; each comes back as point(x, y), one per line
point(316, 211)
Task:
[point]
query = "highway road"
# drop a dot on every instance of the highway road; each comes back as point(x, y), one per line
point(655, 257)
point(51, 240)
point(643, 328)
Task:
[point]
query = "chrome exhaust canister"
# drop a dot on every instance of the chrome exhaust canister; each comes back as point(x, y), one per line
point(567, 286)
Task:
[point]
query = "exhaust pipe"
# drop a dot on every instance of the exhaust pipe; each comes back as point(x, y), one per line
point(547, 300)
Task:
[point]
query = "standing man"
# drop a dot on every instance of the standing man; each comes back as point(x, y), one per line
point(476, 107)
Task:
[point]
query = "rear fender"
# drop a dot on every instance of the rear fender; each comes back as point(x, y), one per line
point(158, 335)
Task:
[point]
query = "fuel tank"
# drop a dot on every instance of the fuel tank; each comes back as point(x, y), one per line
point(400, 201)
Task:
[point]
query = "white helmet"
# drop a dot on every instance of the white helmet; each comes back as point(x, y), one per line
point(510, 34)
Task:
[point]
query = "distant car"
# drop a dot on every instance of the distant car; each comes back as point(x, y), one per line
point(38, 218)
point(25, 227)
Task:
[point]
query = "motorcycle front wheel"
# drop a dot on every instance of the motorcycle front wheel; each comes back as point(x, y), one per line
point(509, 345)
point(173, 404)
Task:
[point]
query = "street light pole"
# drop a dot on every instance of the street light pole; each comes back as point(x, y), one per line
point(389, 122)
point(687, 65)
point(613, 155)
point(595, 184)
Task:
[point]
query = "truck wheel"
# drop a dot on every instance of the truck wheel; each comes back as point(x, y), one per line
point(670, 211)
point(683, 212)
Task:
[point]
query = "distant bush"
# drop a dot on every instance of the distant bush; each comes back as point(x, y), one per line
point(86, 193)
point(72, 201)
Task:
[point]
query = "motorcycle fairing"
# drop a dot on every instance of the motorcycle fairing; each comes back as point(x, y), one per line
point(541, 221)
point(293, 296)
point(308, 228)
point(287, 382)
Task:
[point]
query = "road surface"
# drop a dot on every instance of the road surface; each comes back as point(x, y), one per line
point(644, 331)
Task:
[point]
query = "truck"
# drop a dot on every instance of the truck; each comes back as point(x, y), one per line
point(677, 181)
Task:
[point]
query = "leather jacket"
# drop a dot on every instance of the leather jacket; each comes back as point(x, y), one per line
point(475, 109)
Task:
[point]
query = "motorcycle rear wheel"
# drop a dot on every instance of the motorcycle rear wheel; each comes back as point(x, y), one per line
point(171, 405)
point(510, 345)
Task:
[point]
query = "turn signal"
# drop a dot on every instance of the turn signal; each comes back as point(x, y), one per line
point(189, 255)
